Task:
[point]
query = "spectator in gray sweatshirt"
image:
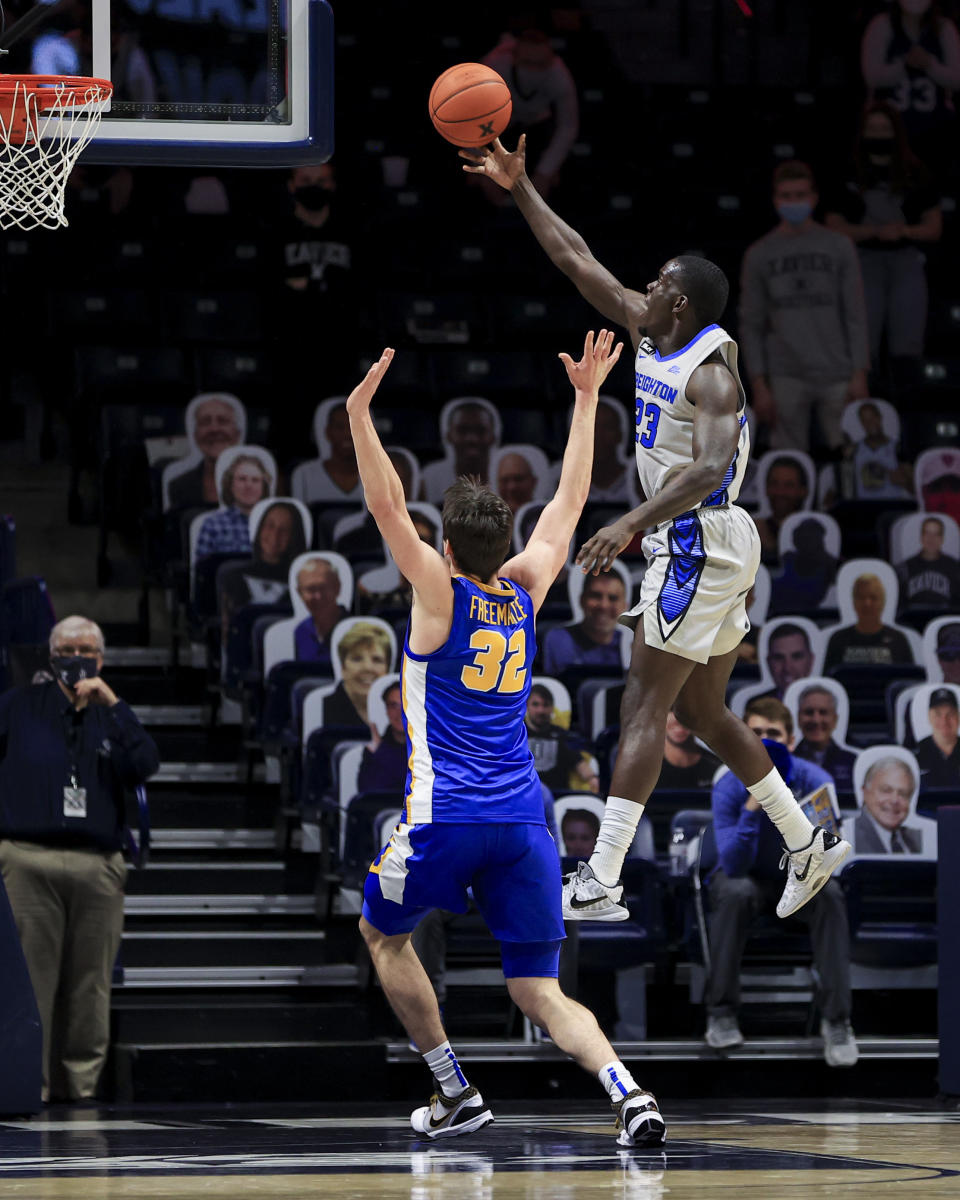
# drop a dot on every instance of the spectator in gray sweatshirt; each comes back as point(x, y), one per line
point(803, 325)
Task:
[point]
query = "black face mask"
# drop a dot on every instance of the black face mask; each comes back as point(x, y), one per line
point(71, 668)
point(313, 197)
point(881, 146)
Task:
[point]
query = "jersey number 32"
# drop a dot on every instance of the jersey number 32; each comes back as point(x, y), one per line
point(498, 663)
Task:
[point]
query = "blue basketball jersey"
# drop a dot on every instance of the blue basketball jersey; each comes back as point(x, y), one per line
point(468, 758)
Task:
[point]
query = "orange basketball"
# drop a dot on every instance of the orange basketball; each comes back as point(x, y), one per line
point(470, 105)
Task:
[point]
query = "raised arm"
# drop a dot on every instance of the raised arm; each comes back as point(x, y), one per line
point(420, 564)
point(716, 431)
point(538, 564)
point(565, 248)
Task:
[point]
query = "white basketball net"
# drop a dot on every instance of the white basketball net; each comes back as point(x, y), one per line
point(34, 169)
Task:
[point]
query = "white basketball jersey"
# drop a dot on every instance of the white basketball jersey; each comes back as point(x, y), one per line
point(665, 416)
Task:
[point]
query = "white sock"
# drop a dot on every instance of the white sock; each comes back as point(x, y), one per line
point(446, 1070)
point(617, 1080)
point(620, 820)
point(778, 802)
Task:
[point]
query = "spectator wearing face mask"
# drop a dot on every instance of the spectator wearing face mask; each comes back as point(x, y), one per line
point(68, 750)
point(802, 319)
point(891, 210)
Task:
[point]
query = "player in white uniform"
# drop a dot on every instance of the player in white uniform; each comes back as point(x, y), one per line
point(692, 447)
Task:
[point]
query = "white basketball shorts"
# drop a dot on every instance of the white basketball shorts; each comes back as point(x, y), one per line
point(700, 567)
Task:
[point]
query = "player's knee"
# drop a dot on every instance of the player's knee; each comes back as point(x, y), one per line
point(646, 716)
point(372, 936)
point(533, 996)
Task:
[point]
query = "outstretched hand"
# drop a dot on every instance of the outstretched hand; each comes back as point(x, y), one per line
point(598, 360)
point(599, 552)
point(502, 166)
point(359, 399)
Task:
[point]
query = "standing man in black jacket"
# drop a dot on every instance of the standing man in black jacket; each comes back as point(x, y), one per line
point(67, 751)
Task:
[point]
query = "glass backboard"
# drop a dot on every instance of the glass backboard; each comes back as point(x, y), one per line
point(219, 82)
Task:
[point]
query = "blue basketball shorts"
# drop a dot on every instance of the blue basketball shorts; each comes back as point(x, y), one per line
point(513, 870)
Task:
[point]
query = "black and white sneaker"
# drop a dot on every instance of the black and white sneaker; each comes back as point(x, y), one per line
point(585, 898)
point(810, 868)
point(639, 1121)
point(447, 1116)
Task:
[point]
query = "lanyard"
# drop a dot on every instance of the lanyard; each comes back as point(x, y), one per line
point(74, 735)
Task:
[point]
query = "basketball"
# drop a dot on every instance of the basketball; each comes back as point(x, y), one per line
point(470, 105)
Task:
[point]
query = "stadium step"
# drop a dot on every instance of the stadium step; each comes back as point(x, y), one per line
point(271, 1070)
point(165, 949)
point(187, 715)
point(202, 1018)
point(253, 904)
point(240, 977)
point(211, 839)
point(209, 803)
point(194, 773)
point(222, 877)
point(199, 744)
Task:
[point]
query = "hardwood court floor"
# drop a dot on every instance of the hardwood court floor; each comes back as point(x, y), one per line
point(764, 1149)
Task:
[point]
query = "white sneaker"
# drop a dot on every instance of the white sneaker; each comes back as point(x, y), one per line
point(585, 898)
point(810, 868)
point(723, 1033)
point(840, 1047)
point(447, 1116)
point(639, 1120)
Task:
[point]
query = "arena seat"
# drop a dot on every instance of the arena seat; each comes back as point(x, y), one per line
point(317, 785)
point(449, 318)
point(326, 514)
point(506, 377)
point(863, 524)
point(240, 646)
point(866, 686)
point(154, 374)
point(212, 316)
point(245, 372)
point(204, 599)
point(95, 315)
point(8, 550)
point(540, 322)
point(892, 910)
point(277, 704)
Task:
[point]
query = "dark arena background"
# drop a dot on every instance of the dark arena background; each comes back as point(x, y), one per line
point(205, 295)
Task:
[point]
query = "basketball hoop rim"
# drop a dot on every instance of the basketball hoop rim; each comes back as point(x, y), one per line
point(55, 86)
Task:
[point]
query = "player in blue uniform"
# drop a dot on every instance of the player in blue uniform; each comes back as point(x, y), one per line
point(692, 443)
point(473, 813)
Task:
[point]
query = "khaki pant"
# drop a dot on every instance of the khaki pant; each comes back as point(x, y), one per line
point(798, 403)
point(68, 906)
